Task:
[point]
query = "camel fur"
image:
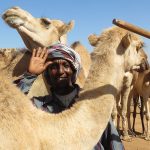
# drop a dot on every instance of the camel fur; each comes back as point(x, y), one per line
point(24, 127)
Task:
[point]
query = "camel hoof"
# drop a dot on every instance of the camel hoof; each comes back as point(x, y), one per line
point(142, 135)
point(132, 133)
point(126, 138)
point(147, 138)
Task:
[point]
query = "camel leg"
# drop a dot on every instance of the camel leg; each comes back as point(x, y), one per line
point(146, 104)
point(142, 115)
point(118, 122)
point(114, 114)
point(129, 114)
point(125, 95)
point(118, 106)
point(129, 109)
point(134, 112)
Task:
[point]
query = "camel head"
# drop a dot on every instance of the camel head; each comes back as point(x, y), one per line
point(134, 52)
point(36, 32)
point(125, 43)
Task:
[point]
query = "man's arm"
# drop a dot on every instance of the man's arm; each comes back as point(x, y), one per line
point(25, 82)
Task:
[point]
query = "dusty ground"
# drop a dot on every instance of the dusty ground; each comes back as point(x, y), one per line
point(137, 143)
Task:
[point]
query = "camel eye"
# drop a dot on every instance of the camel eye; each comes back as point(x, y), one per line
point(46, 22)
point(138, 47)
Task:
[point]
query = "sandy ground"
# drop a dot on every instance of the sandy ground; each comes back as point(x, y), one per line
point(138, 142)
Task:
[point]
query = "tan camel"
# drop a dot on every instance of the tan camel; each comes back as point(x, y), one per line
point(38, 32)
point(85, 60)
point(123, 104)
point(125, 89)
point(140, 80)
point(136, 100)
point(23, 126)
point(126, 93)
point(142, 88)
point(14, 62)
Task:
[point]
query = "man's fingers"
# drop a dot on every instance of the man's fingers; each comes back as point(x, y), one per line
point(34, 52)
point(43, 52)
point(38, 52)
point(45, 55)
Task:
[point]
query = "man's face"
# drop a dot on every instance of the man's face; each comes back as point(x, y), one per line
point(60, 72)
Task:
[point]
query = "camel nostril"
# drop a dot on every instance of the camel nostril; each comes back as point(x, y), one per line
point(16, 7)
point(4, 16)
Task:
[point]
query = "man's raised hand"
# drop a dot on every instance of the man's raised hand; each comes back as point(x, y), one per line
point(38, 61)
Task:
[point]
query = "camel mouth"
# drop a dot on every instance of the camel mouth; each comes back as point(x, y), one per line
point(6, 16)
point(13, 20)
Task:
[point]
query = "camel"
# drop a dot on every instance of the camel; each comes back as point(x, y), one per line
point(142, 89)
point(125, 90)
point(85, 60)
point(84, 123)
point(24, 127)
point(37, 32)
point(126, 94)
point(134, 81)
point(123, 104)
point(137, 101)
point(14, 62)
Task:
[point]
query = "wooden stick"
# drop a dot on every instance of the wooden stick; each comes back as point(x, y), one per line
point(132, 28)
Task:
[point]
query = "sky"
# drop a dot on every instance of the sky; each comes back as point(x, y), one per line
point(90, 16)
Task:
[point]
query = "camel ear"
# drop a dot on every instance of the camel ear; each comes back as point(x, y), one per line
point(66, 28)
point(147, 64)
point(126, 40)
point(93, 39)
